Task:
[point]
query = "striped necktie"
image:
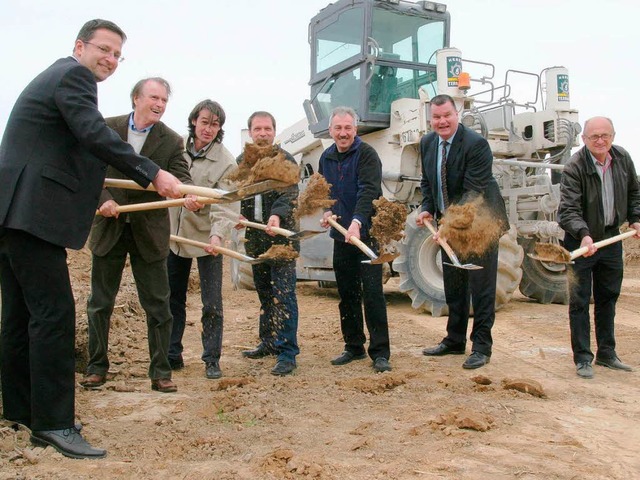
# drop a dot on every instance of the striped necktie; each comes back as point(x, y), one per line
point(443, 175)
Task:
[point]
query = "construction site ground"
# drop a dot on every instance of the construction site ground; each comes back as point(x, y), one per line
point(427, 419)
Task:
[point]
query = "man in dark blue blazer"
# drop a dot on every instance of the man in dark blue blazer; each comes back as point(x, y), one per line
point(53, 159)
point(456, 167)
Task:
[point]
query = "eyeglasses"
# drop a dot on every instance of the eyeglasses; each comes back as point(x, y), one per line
point(107, 51)
point(605, 136)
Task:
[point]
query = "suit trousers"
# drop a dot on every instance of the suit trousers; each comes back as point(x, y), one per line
point(152, 283)
point(276, 287)
point(37, 339)
point(210, 273)
point(604, 271)
point(360, 284)
point(463, 287)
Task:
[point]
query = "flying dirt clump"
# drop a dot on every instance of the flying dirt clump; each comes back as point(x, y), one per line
point(314, 197)
point(280, 252)
point(470, 228)
point(388, 223)
point(264, 163)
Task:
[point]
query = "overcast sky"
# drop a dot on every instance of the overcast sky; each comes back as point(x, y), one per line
point(254, 55)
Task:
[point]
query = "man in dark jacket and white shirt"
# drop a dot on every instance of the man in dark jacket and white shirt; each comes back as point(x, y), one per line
point(354, 170)
point(599, 192)
point(53, 160)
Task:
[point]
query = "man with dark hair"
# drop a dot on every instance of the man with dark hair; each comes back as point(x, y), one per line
point(354, 171)
point(456, 168)
point(209, 161)
point(599, 192)
point(275, 283)
point(143, 236)
point(52, 163)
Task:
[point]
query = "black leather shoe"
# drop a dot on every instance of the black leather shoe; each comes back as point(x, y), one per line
point(442, 349)
point(16, 426)
point(614, 363)
point(260, 351)
point(283, 368)
point(212, 370)
point(68, 442)
point(584, 369)
point(381, 364)
point(347, 357)
point(476, 360)
point(176, 363)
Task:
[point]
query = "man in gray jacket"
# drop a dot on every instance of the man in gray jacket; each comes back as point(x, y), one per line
point(599, 192)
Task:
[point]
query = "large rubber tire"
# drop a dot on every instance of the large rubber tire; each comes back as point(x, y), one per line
point(420, 268)
point(241, 272)
point(543, 281)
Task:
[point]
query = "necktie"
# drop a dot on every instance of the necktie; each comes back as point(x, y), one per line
point(443, 175)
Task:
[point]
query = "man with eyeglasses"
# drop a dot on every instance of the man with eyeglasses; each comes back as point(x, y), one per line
point(53, 159)
point(599, 192)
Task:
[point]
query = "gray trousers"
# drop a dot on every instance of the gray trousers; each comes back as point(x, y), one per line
point(152, 283)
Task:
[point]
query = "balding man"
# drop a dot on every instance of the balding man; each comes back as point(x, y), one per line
point(143, 236)
point(599, 192)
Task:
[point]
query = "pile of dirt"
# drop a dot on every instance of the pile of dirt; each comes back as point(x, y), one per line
point(387, 224)
point(470, 228)
point(314, 197)
point(264, 163)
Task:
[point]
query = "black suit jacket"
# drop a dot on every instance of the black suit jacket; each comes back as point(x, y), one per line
point(469, 173)
point(150, 228)
point(54, 153)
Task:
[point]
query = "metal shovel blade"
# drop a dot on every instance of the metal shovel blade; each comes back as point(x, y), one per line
point(252, 190)
point(464, 266)
point(303, 234)
point(384, 258)
point(549, 260)
point(456, 262)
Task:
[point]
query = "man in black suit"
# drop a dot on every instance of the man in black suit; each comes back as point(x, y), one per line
point(52, 164)
point(463, 159)
point(143, 236)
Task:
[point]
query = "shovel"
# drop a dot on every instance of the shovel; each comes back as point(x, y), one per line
point(284, 232)
point(452, 255)
point(375, 260)
point(566, 257)
point(176, 202)
point(222, 196)
point(222, 250)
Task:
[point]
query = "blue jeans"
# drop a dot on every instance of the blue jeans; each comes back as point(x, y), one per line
point(210, 272)
point(276, 286)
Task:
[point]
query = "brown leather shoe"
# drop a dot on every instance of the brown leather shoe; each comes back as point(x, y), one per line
point(93, 381)
point(164, 385)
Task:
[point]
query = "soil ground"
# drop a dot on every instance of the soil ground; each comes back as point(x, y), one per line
point(427, 419)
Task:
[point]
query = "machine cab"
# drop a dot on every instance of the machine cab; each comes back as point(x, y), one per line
point(367, 53)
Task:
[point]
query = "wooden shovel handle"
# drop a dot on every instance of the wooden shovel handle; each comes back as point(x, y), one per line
point(443, 243)
point(355, 241)
point(224, 251)
point(176, 202)
point(261, 226)
point(185, 189)
point(602, 243)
